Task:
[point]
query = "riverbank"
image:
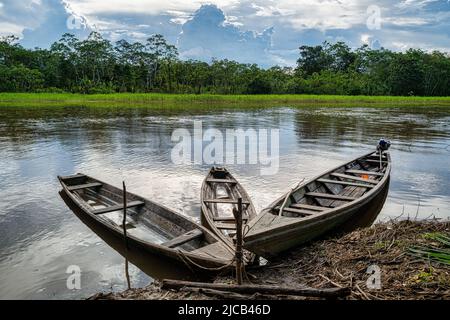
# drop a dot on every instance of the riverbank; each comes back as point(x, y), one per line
point(207, 100)
point(344, 262)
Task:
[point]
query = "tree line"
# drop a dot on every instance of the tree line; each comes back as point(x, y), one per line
point(96, 65)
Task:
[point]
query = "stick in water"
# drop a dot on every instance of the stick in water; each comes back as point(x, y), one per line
point(125, 214)
point(238, 216)
point(124, 222)
point(127, 274)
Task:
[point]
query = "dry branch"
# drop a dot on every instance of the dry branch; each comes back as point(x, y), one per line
point(261, 289)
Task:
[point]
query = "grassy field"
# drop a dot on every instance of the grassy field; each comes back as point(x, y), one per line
point(208, 100)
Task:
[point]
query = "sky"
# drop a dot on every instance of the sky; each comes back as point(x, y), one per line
point(266, 32)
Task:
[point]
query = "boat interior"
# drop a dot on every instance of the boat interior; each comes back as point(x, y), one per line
point(334, 189)
point(220, 196)
point(145, 220)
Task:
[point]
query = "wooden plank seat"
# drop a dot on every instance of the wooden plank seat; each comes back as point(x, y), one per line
point(346, 176)
point(184, 238)
point(226, 226)
point(75, 176)
point(118, 207)
point(369, 173)
point(346, 183)
point(84, 186)
point(221, 181)
point(377, 156)
point(298, 211)
point(329, 196)
point(227, 201)
point(225, 219)
point(373, 161)
point(308, 207)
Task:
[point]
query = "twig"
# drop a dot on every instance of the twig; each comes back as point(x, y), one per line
point(362, 292)
point(330, 281)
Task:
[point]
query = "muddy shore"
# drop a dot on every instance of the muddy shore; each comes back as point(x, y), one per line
point(345, 261)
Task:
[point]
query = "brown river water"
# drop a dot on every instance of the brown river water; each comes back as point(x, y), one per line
point(40, 236)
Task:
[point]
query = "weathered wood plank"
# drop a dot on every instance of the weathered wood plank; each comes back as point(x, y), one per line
point(308, 207)
point(264, 289)
point(330, 196)
point(369, 173)
point(118, 207)
point(84, 186)
point(221, 181)
point(346, 176)
point(373, 161)
point(228, 218)
point(345, 183)
point(226, 226)
point(75, 176)
point(299, 211)
point(188, 236)
point(226, 201)
point(215, 250)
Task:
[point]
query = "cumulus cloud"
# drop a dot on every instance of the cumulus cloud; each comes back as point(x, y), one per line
point(238, 29)
point(40, 22)
point(152, 7)
point(208, 35)
point(58, 19)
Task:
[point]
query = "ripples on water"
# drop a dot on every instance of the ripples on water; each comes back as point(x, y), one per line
point(40, 236)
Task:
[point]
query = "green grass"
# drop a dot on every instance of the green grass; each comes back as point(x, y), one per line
point(209, 100)
point(439, 251)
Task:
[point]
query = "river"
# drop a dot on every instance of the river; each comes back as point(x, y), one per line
point(40, 236)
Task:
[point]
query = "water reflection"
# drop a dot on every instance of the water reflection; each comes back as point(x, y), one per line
point(40, 236)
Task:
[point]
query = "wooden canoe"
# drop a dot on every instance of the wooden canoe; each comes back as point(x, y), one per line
point(321, 205)
point(149, 225)
point(219, 195)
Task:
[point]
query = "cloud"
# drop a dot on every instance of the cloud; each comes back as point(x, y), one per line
point(40, 22)
point(236, 29)
point(153, 7)
point(59, 19)
point(207, 35)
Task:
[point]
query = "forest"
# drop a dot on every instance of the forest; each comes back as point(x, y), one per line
point(96, 65)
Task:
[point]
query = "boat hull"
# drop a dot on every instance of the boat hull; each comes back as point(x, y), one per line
point(271, 233)
point(208, 213)
point(278, 241)
point(191, 261)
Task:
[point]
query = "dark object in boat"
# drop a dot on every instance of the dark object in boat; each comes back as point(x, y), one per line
point(321, 205)
point(383, 145)
point(219, 196)
point(149, 225)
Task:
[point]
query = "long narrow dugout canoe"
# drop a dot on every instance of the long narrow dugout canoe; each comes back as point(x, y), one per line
point(149, 225)
point(321, 205)
point(219, 196)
